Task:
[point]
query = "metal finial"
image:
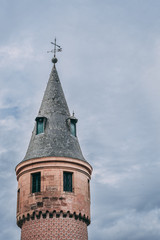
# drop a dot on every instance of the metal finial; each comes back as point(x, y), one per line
point(73, 113)
point(57, 48)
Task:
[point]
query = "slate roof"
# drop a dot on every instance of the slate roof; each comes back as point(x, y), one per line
point(56, 141)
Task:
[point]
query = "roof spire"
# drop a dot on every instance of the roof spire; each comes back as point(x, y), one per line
point(54, 134)
point(57, 48)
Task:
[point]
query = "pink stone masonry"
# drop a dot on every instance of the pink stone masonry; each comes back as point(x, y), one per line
point(53, 213)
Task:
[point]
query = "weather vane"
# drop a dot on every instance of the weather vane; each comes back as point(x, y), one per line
point(57, 48)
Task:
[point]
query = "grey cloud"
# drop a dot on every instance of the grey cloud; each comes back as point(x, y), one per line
point(109, 69)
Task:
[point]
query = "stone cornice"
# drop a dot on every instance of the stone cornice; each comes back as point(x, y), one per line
point(53, 162)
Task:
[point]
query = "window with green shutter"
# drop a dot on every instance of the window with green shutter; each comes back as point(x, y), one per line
point(40, 124)
point(40, 127)
point(36, 182)
point(67, 181)
point(71, 122)
point(73, 128)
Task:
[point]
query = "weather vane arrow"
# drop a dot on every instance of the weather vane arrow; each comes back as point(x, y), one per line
point(57, 48)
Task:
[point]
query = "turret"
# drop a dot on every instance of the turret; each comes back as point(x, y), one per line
point(53, 197)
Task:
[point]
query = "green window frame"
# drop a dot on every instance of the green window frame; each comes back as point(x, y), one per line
point(71, 122)
point(67, 181)
point(40, 124)
point(73, 128)
point(40, 127)
point(36, 182)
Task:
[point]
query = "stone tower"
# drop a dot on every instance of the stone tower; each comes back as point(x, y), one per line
point(53, 197)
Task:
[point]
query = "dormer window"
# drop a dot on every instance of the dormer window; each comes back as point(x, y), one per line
point(71, 121)
point(73, 128)
point(40, 125)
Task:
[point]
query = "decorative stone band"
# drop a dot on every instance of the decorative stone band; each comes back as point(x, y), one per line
point(25, 166)
point(53, 214)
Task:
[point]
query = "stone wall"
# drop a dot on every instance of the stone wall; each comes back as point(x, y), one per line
point(52, 198)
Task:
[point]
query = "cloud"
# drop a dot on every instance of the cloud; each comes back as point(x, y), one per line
point(109, 69)
point(17, 54)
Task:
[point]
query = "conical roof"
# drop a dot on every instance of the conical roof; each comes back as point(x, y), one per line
point(57, 140)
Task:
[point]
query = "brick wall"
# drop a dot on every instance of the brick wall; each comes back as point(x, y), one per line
point(54, 229)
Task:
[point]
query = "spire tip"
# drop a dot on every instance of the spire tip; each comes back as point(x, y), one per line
point(57, 48)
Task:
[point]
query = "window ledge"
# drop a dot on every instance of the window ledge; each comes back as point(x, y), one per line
point(35, 194)
point(68, 193)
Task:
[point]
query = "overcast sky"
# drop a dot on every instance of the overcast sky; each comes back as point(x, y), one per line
point(110, 73)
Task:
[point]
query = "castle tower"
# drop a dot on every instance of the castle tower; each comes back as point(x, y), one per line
point(53, 197)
